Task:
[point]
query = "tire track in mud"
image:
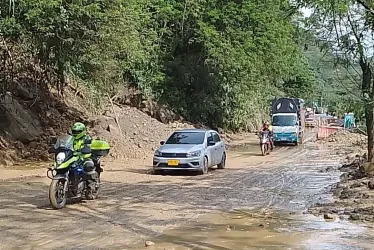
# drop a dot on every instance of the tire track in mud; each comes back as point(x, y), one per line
point(221, 175)
point(123, 209)
point(47, 240)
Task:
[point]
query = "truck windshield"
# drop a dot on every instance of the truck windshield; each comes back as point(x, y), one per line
point(284, 120)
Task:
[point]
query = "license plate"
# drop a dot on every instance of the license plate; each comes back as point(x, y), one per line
point(173, 162)
point(284, 139)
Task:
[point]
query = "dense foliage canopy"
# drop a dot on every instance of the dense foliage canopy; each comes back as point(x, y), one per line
point(215, 62)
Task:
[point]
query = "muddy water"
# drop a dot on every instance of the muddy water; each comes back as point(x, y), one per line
point(274, 217)
point(246, 229)
point(272, 192)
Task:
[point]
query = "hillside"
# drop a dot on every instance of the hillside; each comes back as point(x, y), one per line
point(27, 129)
point(216, 63)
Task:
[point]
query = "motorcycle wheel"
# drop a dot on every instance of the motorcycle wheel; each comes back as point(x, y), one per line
point(93, 194)
point(263, 149)
point(57, 195)
point(267, 149)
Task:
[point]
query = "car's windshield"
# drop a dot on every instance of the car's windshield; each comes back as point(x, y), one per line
point(64, 141)
point(186, 138)
point(284, 120)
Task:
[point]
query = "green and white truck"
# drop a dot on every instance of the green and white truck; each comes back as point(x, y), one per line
point(288, 120)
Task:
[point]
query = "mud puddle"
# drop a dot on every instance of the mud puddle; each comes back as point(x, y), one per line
point(249, 229)
point(249, 149)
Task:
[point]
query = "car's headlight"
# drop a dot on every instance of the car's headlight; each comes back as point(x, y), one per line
point(294, 134)
point(158, 153)
point(194, 154)
point(60, 157)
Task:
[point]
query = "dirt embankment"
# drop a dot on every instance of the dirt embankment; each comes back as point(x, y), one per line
point(345, 142)
point(354, 194)
point(133, 136)
point(30, 119)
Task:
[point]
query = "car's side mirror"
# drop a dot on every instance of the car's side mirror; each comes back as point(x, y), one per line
point(162, 143)
point(53, 140)
point(51, 150)
point(211, 143)
point(87, 141)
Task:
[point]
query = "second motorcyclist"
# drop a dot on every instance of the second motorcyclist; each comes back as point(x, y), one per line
point(267, 127)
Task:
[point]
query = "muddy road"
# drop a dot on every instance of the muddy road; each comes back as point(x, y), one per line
point(135, 206)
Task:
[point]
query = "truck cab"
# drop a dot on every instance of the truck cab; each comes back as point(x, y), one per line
point(288, 120)
point(286, 128)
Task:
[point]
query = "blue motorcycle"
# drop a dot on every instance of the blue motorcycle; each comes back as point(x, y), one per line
point(69, 179)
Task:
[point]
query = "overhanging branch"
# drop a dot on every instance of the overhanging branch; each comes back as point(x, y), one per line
point(366, 6)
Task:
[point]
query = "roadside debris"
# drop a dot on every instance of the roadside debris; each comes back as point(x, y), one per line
point(345, 142)
point(354, 193)
point(329, 217)
point(149, 243)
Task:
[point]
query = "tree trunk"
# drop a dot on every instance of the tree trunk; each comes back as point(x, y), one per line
point(369, 117)
point(367, 89)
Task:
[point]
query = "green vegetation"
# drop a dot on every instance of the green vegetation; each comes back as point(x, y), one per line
point(345, 29)
point(214, 62)
point(337, 87)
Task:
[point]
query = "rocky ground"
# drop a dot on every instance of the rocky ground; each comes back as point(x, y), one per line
point(354, 194)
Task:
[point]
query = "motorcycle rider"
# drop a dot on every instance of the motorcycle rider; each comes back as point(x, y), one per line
point(82, 147)
point(267, 127)
point(263, 124)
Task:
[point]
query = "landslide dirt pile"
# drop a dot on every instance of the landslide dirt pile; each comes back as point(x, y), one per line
point(346, 143)
point(345, 137)
point(354, 193)
point(136, 135)
point(30, 119)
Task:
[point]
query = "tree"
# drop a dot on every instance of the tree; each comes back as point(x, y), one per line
point(214, 62)
point(58, 32)
point(227, 58)
point(345, 28)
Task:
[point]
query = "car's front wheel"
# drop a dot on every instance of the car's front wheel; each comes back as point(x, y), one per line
point(222, 164)
point(205, 167)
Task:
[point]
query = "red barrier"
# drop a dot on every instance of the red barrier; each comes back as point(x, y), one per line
point(325, 131)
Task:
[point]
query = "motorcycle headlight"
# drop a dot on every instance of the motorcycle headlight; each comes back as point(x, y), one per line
point(194, 154)
point(158, 153)
point(60, 157)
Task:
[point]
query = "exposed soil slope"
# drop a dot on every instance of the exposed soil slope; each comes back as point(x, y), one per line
point(31, 119)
